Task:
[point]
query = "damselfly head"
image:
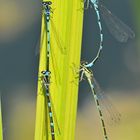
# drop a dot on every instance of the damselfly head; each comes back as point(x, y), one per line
point(43, 72)
point(46, 3)
point(83, 63)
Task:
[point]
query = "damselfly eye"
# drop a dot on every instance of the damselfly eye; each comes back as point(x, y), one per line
point(43, 72)
point(49, 2)
point(86, 62)
point(43, 3)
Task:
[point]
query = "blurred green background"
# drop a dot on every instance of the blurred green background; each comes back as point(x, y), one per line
point(117, 72)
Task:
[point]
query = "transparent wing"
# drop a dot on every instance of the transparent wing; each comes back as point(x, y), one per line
point(60, 43)
point(53, 110)
point(43, 90)
point(53, 59)
point(39, 43)
point(110, 110)
point(55, 67)
point(37, 47)
point(57, 38)
point(43, 33)
point(117, 28)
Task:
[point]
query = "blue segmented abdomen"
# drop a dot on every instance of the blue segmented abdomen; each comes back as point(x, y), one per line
point(50, 115)
point(95, 4)
point(46, 81)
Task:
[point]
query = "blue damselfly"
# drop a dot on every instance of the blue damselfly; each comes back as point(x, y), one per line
point(45, 79)
point(117, 28)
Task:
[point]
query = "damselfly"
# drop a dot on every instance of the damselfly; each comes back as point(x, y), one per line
point(117, 28)
point(48, 15)
point(47, 32)
point(98, 97)
point(51, 111)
